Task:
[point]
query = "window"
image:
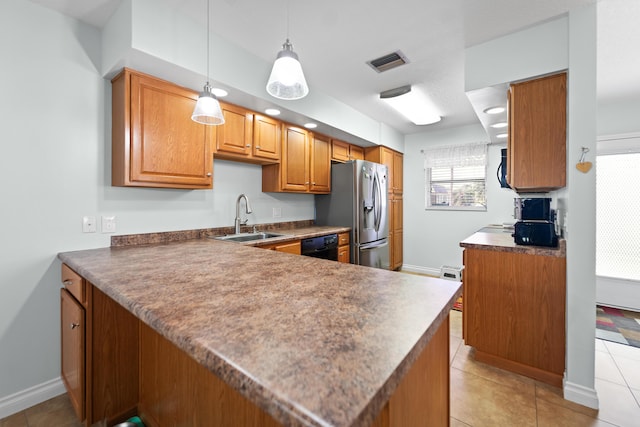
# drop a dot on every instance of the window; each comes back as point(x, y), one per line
point(455, 177)
point(617, 206)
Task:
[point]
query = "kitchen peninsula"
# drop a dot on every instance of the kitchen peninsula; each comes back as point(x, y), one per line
point(514, 304)
point(226, 334)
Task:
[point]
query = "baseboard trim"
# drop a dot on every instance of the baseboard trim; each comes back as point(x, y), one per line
point(31, 396)
point(422, 270)
point(582, 395)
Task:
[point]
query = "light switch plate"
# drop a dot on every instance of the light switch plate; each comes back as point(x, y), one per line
point(109, 224)
point(88, 224)
point(277, 212)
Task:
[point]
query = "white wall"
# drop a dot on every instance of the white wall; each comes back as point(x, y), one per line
point(432, 237)
point(55, 168)
point(568, 42)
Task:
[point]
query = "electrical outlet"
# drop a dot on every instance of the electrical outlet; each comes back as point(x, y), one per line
point(109, 224)
point(88, 224)
point(277, 212)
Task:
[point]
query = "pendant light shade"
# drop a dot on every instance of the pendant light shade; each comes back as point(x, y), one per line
point(207, 110)
point(287, 79)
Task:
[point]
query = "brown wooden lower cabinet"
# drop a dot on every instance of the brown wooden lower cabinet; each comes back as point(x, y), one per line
point(176, 390)
point(130, 369)
point(344, 251)
point(99, 353)
point(288, 247)
point(514, 311)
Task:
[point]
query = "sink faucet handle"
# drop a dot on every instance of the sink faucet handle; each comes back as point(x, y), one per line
point(255, 229)
point(244, 222)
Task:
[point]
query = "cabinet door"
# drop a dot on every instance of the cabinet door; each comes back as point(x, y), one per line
point(356, 153)
point(167, 149)
point(339, 151)
point(73, 348)
point(396, 247)
point(344, 254)
point(320, 163)
point(266, 137)
point(386, 158)
point(397, 173)
point(235, 135)
point(295, 159)
point(537, 134)
point(397, 214)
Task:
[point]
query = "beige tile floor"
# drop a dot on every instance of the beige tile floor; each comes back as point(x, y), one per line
point(485, 396)
point(480, 394)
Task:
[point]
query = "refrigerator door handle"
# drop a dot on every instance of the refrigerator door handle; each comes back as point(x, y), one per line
point(375, 245)
point(377, 201)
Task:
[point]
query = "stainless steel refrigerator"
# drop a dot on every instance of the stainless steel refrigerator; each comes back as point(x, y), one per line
point(358, 200)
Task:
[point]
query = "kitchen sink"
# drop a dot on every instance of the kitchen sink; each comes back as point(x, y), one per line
point(247, 237)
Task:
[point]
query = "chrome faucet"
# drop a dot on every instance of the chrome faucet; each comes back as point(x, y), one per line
point(248, 209)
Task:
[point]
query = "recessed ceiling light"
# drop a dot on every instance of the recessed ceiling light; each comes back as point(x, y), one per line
point(220, 93)
point(310, 125)
point(495, 110)
point(499, 125)
point(411, 104)
point(272, 111)
point(501, 135)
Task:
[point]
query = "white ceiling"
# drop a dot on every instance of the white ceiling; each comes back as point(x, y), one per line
point(335, 38)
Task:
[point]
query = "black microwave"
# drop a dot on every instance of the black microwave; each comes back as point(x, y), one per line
point(533, 209)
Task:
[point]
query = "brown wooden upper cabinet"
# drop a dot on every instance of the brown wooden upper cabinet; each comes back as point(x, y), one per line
point(393, 160)
point(248, 137)
point(154, 141)
point(305, 164)
point(536, 148)
point(343, 151)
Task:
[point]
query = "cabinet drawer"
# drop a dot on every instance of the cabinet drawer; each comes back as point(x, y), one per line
point(74, 283)
point(343, 239)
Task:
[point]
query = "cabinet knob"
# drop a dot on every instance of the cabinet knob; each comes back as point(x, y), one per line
point(68, 282)
point(208, 173)
point(248, 145)
point(257, 147)
point(74, 325)
point(306, 183)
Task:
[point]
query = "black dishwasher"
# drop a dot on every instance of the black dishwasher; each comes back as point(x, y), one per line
point(325, 247)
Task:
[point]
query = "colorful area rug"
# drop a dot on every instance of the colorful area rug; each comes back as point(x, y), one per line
point(621, 326)
point(458, 304)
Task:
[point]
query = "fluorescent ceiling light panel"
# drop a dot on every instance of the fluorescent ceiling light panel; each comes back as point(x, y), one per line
point(411, 104)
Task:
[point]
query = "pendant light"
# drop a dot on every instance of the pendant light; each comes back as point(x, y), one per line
point(207, 110)
point(287, 79)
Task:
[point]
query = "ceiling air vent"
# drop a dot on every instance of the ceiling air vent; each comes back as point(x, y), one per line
point(389, 61)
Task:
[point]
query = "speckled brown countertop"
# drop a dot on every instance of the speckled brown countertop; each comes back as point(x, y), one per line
point(310, 341)
point(291, 230)
point(502, 241)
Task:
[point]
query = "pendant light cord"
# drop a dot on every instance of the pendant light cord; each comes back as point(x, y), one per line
point(288, 16)
point(208, 36)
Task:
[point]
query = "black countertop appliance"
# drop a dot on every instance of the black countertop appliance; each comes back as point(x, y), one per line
point(536, 222)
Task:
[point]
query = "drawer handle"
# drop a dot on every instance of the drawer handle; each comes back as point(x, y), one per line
point(68, 282)
point(74, 325)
